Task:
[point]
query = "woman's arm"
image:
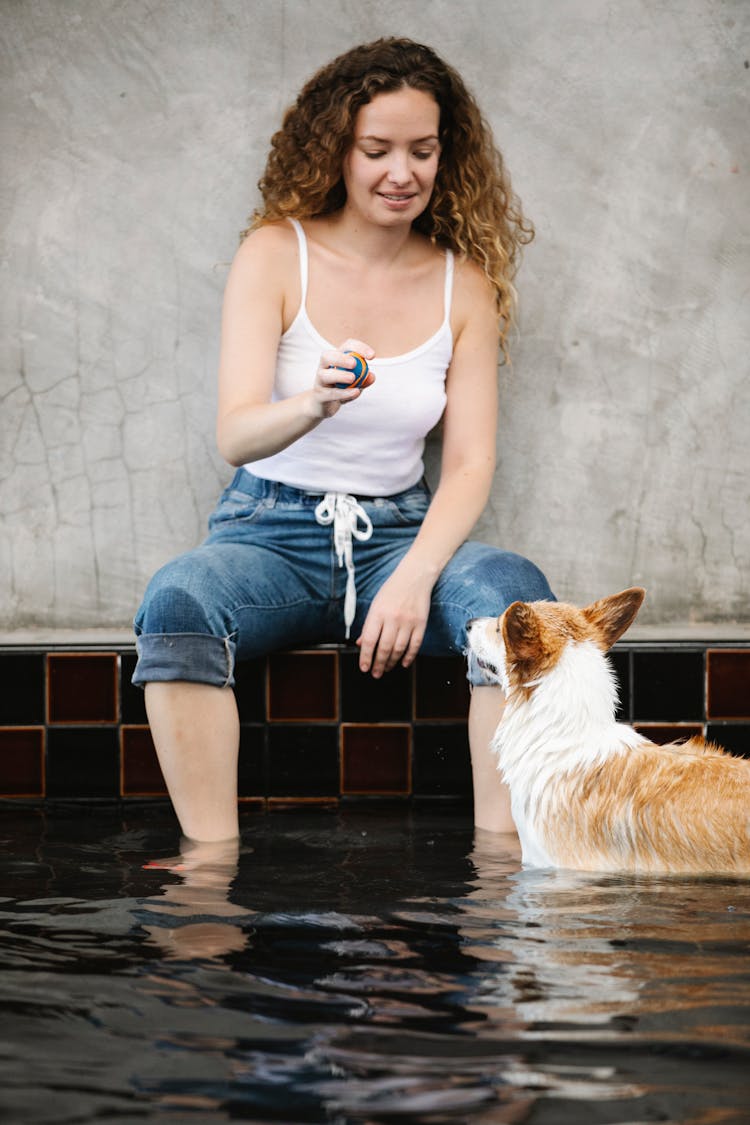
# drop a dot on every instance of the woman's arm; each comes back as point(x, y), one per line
point(260, 287)
point(395, 625)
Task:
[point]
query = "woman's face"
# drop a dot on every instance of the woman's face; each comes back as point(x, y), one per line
point(390, 170)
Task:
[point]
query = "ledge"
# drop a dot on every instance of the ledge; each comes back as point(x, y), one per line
point(729, 632)
point(705, 633)
point(66, 638)
point(312, 728)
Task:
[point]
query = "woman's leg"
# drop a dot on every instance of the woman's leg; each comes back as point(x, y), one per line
point(196, 731)
point(491, 795)
point(481, 581)
point(201, 612)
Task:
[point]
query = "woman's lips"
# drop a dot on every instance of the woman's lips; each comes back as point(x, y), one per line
point(397, 199)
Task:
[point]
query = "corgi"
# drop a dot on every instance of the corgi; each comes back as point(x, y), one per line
point(587, 792)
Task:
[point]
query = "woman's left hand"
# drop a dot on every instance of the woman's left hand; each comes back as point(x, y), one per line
point(395, 625)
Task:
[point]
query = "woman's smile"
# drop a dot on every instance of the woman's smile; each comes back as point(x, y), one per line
point(392, 164)
point(399, 199)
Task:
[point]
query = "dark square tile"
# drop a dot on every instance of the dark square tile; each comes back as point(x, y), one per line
point(83, 762)
point(441, 688)
point(250, 690)
point(132, 699)
point(303, 761)
point(620, 661)
point(22, 695)
point(141, 773)
point(364, 699)
point(284, 804)
point(302, 686)
point(375, 759)
point(728, 684)
point(734, 737)
point(442, 763)
point(668, 686)
point(662, 733)
point(22, 762)
point(82, 687)
point(251, 775)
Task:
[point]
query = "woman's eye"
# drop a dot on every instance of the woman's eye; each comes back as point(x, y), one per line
point(423, 155)
point(374, 155)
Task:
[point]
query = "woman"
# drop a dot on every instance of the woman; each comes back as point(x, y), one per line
point(388, 227)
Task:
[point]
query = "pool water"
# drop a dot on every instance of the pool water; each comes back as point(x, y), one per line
point(363, 965)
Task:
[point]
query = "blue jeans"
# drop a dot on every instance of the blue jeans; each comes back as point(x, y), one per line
point(268, 577)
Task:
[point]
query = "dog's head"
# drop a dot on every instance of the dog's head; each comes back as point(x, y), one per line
point(518, 648)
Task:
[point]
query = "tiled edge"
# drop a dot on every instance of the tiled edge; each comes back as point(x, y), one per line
point(25, 747)
point(302, 686)
point(376, 760)
point(728, 684)
point(82, 688)
point(662, 733)
point(140, 773)
point(278, 804)
point(399, 738)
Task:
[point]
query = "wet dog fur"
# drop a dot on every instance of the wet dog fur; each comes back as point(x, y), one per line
point(590, 793)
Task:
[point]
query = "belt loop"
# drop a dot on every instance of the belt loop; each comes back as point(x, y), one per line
point(272, 493)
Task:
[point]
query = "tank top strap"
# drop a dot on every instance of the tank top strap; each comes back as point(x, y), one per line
point(304, 270)
point(448, 292)
point(303, 264)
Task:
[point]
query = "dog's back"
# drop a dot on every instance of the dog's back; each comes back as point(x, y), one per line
point(588, 792)
point(680, 809)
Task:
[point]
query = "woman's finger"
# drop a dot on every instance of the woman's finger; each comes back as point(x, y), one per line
point(413, 647)
point(391, 647)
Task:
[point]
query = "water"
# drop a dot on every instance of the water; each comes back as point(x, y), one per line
point(367, 965)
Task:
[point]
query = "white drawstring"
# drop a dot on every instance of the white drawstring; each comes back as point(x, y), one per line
point(343, 512)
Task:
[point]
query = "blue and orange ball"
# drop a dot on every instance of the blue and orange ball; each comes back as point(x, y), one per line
point(360, 370)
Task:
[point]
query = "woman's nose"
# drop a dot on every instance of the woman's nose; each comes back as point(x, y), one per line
point(398, 168)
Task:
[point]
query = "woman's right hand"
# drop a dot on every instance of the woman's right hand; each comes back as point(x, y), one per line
point(250, 424)
point(337, 367)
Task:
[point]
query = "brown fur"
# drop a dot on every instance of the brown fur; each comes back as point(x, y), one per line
point(536, 633)
point(677, 808)
point(626, 804)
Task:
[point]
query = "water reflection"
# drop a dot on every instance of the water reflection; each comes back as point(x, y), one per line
point(364, 967)
point(626, 954)
point(195, 917)
point(645, 979)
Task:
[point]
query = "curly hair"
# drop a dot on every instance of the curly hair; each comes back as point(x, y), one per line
point(472, 210)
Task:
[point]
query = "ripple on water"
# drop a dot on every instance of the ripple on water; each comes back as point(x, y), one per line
point(361, 967)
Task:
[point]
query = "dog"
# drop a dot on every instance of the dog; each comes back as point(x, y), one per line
point(587, 792)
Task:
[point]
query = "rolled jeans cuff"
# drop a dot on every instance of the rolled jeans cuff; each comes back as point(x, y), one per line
point(198, 657)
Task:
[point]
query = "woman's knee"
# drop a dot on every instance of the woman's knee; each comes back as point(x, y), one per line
point(178, 599)
point(518, 578)
point(488, 579)
point(479, 581)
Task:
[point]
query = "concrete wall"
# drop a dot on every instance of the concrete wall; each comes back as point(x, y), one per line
point(133, 135)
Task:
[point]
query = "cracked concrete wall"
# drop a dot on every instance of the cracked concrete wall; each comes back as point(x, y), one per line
point(133, 134)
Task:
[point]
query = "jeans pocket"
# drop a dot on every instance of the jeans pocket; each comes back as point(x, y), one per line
point(411, 506)
point(235, 506)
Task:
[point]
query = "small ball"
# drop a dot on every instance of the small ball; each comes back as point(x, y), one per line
point(360, 370)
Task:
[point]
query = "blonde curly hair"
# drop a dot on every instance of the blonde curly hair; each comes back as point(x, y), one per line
point(472, 210)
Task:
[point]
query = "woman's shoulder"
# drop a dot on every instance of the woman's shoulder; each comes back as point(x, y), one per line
point(473, 292)
point(268, 241)
point(267, 256)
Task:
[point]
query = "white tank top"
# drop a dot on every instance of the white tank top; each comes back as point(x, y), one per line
point(374, 445)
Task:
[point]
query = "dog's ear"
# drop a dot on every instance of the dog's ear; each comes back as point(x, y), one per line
point(521, 629)
point(613, 615)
